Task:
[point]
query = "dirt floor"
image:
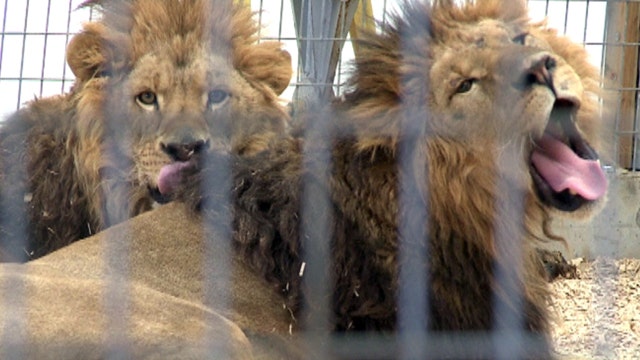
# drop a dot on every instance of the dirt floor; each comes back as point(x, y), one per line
point(598, 314)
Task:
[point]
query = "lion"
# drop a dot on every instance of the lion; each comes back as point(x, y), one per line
point(465, 130)
point(157, 85)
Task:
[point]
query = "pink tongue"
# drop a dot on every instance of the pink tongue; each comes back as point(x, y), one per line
point(169, 177)
point(563, 169)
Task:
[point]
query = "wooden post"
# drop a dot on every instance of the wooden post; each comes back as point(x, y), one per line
point(362, 21)
point(246, 3)
point(321, 27)
point(621, 77)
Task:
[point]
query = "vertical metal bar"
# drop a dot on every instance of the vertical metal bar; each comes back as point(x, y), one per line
point(316, 231)
point(413, 216)
point(14, 229)
point(508, 303)
point(636, 150)
point(546, 8)
point(91, 12)
point(117, 296)
point(586, 21)
point(602, 62)
point(24, 43)
point(384, 12)
point(566, 17)
point(44, 48)
point(4, 29)
point(316, 207)
point(297, 16)
point(217, 255)
point(314, 22)
point(259, 20)
point(66, 41)
point(413, 247)
point(117, 300)
point(340, 39)
point(280, 18)
point(508, 309)
point(635, 162)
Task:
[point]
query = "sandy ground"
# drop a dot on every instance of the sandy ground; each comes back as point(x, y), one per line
point(598, 314)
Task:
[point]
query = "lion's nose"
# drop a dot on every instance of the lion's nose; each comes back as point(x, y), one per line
point(184, 151)
point(538, 69)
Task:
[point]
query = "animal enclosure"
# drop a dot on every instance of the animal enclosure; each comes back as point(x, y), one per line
point(318, 36)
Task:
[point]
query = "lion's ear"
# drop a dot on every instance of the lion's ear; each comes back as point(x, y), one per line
point(267, 62)
point(86, 53)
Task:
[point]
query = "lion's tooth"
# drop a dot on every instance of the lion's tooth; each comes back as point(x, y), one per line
point(573, 192)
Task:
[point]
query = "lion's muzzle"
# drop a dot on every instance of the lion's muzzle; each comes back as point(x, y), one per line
point(185, 151)
point(538, 69)
point(183, 148)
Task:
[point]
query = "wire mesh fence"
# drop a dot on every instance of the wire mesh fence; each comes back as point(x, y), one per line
point(32, 64)
point(34, 34)
point(32, 44)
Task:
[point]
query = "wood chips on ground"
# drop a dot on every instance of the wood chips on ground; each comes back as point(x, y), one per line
point(598, 314)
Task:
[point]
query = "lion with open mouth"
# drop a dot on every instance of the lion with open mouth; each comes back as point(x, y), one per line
point(502, 121)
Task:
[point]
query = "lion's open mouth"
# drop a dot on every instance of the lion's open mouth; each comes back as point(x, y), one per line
point(564, 167)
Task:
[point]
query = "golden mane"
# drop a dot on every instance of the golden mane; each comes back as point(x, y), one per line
point(392, 67)
point(130, 29)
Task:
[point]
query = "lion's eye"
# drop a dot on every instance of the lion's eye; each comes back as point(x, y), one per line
point(217, 96)
point(465, 86)
point(147, 98)
point(520, 39)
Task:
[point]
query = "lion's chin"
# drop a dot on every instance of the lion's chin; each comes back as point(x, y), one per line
point(157, 196)
point(565, 169)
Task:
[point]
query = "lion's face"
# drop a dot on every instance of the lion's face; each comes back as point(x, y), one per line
point(169, 91)
point(480, 76)
point(176, 112)
point(499, 87)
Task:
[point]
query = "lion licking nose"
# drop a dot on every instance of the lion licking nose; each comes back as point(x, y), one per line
point(158, 85)
point(183, 153)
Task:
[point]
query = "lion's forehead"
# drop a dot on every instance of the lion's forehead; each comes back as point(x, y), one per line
point(484, 33)
point(159, 72)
